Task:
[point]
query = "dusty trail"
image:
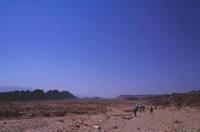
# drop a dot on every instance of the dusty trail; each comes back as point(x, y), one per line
point(117, 119)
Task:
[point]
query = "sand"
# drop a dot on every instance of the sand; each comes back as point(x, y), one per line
point(117, 119)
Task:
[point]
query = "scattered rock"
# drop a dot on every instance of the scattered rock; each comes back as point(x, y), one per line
point(115, 127)
point(77, 126)
point(97, 127)
point(30, 115)
point(61, 121)
point(59, 130)
point(127, 117)
point(86, 124)
point(100, 121)
point(80, 122)
point(102, 130)
point(177, 122)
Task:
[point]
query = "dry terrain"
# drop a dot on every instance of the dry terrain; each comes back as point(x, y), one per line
point(95, 116)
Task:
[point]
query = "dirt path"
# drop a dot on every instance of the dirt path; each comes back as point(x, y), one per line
point(118, 119)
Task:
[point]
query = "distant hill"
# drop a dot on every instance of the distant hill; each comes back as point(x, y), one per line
point(178, 99)
point(135, 97)
point(35, 95)
point(127, 97)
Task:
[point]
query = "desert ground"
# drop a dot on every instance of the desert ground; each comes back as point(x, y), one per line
point(95, 116)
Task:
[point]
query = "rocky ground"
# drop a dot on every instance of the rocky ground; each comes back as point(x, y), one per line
point(118, 118)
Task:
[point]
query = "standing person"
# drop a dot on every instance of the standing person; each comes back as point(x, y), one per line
point(143, 108)
point(156, 107)
point(135, 110)
point(151, 109)
point(140, 107)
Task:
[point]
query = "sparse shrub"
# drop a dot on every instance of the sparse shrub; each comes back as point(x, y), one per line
point(46, 114)
point(7, 113)
point(49, 108)
point(60, 113)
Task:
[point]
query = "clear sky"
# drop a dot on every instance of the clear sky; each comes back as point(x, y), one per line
point(101, 47)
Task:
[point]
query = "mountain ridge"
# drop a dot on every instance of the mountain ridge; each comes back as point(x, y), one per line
point(37, 94)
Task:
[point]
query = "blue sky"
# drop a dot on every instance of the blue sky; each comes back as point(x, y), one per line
point(101, 47)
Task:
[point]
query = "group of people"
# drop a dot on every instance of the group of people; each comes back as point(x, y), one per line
point(141, 108)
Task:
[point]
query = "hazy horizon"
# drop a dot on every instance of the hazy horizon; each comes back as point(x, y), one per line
point(18, 88)
point(101, 48)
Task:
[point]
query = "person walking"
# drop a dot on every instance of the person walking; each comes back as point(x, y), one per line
point(135, 110)
point(151, 109)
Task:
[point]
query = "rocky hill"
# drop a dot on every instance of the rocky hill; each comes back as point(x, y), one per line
point(127, 97)
point(35, 95)
point(136, 97)
point(178, 99)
